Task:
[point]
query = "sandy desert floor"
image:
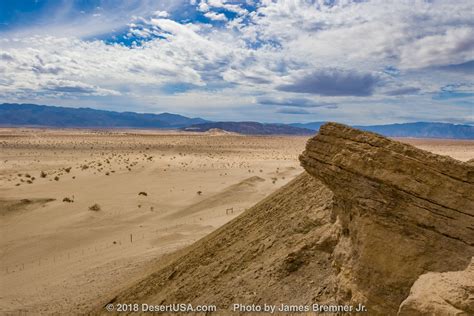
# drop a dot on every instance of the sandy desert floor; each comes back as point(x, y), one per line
point(156, 192)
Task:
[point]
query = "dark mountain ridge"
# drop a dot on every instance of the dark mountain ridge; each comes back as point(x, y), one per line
point(423, 130)
point(416, 129)
point(54, 116)
point(251, 128)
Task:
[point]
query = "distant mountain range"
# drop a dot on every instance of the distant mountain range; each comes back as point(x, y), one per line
point(418, 129)
point(312, 126)
point(251, 128)
point(423, 130)
point(33, 115)
point(53, 116)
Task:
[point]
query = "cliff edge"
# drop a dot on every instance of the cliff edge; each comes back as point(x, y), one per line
point(402, 212)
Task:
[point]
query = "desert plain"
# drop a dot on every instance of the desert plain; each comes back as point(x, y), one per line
point(84, 213)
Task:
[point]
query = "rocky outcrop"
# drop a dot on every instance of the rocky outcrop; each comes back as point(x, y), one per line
point(448, 293)
point(402, 212)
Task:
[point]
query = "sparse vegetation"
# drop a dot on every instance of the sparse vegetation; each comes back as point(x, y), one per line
point(293, 262)
point(95, 208)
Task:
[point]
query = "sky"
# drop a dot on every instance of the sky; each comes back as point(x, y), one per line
point(355, 62)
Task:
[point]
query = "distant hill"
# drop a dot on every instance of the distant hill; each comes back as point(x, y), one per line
point(418, 129)
point(63, 117)
point(423, 130)
point(251, 128)
point(53, 116)
point(312, 126)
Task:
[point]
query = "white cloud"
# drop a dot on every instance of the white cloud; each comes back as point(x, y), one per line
point(192, 65)
point(215, 16)
point(456, 46)
point(161, 14)
point(73, 87)
point(222, 4)
point(203, 6)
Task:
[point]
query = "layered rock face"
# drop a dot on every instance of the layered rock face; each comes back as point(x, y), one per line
point(402, 212)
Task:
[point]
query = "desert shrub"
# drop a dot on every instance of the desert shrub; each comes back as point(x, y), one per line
point(293, 262)
point(95, 207)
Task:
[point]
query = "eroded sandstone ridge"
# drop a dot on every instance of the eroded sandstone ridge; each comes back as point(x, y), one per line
point(446, 293)
point(402, 212)
point(367, 219)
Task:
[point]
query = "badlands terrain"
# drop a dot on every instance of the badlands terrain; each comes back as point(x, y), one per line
point(88, 217)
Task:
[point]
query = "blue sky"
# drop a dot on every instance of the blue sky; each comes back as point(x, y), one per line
point(357, 62)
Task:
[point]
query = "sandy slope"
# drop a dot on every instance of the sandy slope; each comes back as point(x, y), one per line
point(62, 257)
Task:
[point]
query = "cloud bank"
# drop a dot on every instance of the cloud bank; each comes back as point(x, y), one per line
point(356, 62)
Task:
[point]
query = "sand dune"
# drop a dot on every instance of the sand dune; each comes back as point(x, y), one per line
point(235, 194)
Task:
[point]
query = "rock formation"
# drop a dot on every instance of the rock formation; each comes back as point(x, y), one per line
point(403, 212)
point(367, 219)
point(448, 293)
